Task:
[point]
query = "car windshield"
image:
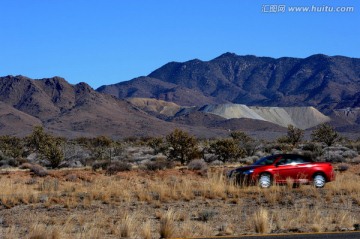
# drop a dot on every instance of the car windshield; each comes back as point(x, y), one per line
point(265, 161)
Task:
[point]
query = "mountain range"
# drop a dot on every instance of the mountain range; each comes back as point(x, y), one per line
point(263, 94)
point(320, 81)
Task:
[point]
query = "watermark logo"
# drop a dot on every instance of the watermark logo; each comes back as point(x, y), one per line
point(281, 8)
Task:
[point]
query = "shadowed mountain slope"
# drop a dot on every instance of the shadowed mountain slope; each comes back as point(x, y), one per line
point(13, 121)
point(321, 81)
point(75, 110)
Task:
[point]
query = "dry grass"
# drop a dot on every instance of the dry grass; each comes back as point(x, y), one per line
point(146, 230)
point(167, 224)
point(126, 226)
point(261, 221)
point(167, 203)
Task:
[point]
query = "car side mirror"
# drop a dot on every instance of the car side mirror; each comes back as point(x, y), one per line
point(277, 164)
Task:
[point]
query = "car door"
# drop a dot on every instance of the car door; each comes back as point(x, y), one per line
point(286, 168)
point(303, 170)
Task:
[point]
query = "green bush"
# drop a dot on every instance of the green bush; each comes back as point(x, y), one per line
point(158, 145)
point(245, 142)
point(226, 150)
point(46, 145)
point(12, 146)
point(182, 147)
point(325, 133)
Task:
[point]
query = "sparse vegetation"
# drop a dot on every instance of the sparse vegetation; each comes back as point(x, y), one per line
point(325, 133)
point(246, 144)
point(167, 224)
point(293, 137)
point(226, 150)
point(169, 203)
point(116, 167)
point(261, 221)
point(197, 164)
point(182, 146)
point(158, 145)
point(143, 193)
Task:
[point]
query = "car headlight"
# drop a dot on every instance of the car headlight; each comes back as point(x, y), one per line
point(229, 173)
point(247, 172)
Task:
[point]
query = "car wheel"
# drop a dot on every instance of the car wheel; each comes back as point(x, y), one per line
point(319, 181)
point(265, 180)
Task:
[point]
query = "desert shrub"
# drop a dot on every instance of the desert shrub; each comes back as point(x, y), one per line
point(158, 145)
point(35, 168)
point(311, 146)
point(217, 163)
point(349, 154)
point(100, 165)
point(354, 145)
point(54, 154)
point(226, 150)
point(245, 142)
point(277, 147)
point(126, 226)
point(197, 164)
point(116, 167)
point(38, 139)
point(182, 146)
point(261, 221)
point(46, 145)
point(13, 162)
point(294, 135)
point(334, 157)
point(131, 140)
point(325, 133)
point(206, 215)
point(12, 146)
point(7, 161)
point(339, 154)
point(312, 150)
point(99, 146)
point(75, 151)
point(38, 170)
point(159, 164)
point(167, 224)
point(357, 145)
point(342, 167)
point(71, 177)
point(249, 160)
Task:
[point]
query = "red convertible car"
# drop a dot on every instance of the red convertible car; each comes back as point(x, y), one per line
point(281, 168)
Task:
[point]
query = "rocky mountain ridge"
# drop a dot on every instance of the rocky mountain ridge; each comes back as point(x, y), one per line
point(321, 81)
point(207, 98)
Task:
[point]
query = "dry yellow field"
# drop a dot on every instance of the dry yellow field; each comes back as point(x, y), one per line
point(169, 203)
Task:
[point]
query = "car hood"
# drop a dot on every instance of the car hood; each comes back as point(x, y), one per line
point(243, 169)
point(248, 167)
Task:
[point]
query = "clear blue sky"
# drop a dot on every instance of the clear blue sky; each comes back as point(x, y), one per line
point(108, 41)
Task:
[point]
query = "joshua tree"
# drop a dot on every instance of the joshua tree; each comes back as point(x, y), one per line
point(46, 145)
point(325, 133)
point(182, 146)
point(247, 144)
point(11, 146)
point(226, 149)
point(294, 135)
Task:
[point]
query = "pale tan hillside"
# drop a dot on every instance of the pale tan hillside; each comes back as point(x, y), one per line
point(157, 106)
point(301, 117)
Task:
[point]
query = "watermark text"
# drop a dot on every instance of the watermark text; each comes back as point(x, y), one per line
point(281, 8)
